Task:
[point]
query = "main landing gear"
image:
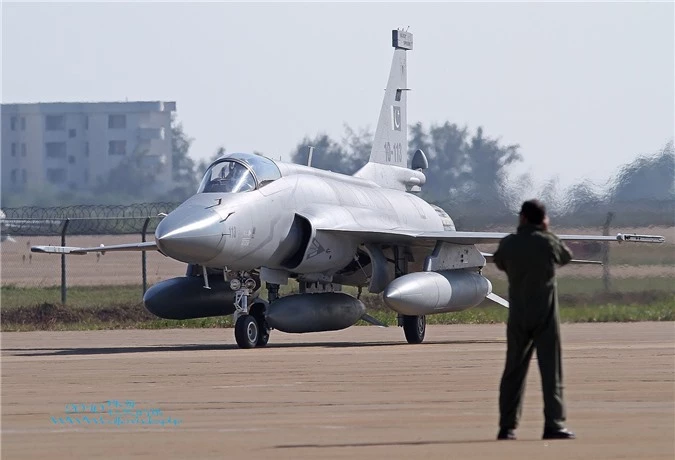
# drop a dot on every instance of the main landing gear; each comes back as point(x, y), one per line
point(414, 327)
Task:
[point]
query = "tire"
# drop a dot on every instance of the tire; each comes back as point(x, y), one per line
point(414, 328)
point(258, 312)
point(246, 331)
point(263, 337)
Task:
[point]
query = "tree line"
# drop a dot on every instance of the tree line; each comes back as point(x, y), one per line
point(468, 176)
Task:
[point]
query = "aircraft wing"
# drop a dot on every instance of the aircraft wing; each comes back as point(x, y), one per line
point(147, 246)
point(490, 237)
point(404, 236)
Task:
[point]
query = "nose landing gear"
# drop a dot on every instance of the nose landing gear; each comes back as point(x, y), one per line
point(250, 327)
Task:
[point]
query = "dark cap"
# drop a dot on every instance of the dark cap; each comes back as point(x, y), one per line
point(533, 211)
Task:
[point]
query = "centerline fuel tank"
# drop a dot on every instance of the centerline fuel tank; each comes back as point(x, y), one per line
point(328, 311)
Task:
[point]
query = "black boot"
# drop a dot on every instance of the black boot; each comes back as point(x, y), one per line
point(506, 434)
point(557, 433)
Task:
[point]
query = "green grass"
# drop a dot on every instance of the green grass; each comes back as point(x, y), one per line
point(644, 254)
point(576, 286)
point(93, 296)
point(134, 316)
point(115, 307)
point(77, 296)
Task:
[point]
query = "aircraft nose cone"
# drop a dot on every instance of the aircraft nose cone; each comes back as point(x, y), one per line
point(190, 234)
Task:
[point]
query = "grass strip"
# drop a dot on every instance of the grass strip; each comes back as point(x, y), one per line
point(48, 316)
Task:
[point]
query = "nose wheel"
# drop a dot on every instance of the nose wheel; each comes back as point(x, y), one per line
point(250, 327)
point(247, 331)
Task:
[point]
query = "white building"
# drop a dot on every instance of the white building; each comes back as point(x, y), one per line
point(73, 146)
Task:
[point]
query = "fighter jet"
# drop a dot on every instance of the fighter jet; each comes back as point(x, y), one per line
point(256, 220)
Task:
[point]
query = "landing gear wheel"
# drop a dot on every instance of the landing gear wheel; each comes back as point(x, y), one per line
point(258, 310)
point(264, 335)
point(246, 331)
point(263, 338)
point(414, 328)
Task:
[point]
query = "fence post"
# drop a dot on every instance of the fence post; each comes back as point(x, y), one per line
point(606, 279)
point(63, 262)
point(144, 267)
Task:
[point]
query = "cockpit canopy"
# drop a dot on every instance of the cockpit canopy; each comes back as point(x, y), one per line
point(239, 172)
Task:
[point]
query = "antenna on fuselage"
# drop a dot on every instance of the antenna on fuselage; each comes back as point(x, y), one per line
point(309, 157)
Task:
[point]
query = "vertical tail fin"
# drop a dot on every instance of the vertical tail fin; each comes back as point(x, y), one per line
point(390, 144)
point(389, 155)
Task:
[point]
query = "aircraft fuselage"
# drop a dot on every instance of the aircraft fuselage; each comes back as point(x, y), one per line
point(279, 226)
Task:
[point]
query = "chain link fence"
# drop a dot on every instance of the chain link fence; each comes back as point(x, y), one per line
point(83, 226)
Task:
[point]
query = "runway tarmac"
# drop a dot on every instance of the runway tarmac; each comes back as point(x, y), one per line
point(361, 393)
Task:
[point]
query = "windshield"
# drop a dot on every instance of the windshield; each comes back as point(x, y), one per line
point(227, 177)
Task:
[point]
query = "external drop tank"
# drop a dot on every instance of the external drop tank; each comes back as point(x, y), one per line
point(185, 297)
point(329, 311)
point(427, 293)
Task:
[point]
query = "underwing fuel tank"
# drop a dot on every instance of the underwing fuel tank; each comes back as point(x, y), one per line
point(328, 311)
point(426, 293)
point(185, 297)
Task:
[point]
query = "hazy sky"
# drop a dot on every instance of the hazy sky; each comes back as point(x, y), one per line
point(582, 87)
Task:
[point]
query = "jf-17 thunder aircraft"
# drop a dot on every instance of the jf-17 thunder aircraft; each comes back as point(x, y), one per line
point(255, 220)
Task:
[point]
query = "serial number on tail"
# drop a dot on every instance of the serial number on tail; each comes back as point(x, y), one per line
point(393, 152)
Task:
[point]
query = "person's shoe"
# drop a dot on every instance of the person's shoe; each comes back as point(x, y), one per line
point(506, 433)
point(560, 433)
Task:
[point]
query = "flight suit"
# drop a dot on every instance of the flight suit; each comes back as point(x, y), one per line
point(529, 258)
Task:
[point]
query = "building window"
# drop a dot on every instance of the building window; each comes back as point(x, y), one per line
point(117, 121)
point(71, 160)
point(56, 176)
point(13, 149)
point(23, 149)
point(23, 123)
point(72, 133)
point(12, 123)
point(23, 176)
point(117, 148)
point(13, 175)
point(55, 123)
point(55, 149)
point(86, 149)
point(86, 122)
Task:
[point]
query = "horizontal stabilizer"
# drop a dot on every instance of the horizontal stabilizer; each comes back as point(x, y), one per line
point(147, 246)
point(500, 300)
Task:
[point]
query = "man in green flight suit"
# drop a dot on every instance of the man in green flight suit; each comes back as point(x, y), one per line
point(529, 258)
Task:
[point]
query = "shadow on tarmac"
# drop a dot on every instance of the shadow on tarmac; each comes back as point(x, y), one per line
point(383, 444)
point(213, 347)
